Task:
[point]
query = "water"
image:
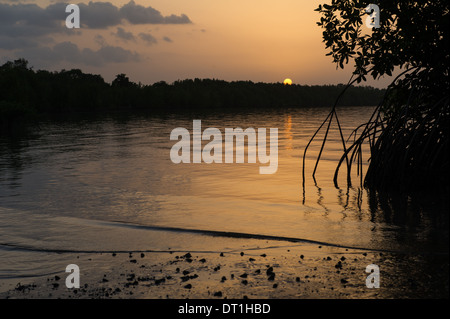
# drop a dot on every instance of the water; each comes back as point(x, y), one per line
point(107, 185)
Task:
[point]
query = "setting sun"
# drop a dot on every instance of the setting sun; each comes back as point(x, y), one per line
point(287, 82)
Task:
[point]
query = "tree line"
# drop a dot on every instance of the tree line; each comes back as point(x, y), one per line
point(25, 92)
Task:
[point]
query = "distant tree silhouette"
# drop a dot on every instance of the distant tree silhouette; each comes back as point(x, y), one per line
point(43, 93)
point(121, 80)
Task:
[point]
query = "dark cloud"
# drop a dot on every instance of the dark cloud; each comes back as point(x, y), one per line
point(69, 52)
point(99, 39)
point(137, 14)
point(11, 43)
point(148, 38)
point(22, 17)
point(26, 29)
point(124, 35)
point(99, 15)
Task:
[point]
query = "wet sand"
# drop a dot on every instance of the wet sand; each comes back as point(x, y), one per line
point(295, 271)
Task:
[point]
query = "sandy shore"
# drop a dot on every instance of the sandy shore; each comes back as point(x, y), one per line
point(289, 272)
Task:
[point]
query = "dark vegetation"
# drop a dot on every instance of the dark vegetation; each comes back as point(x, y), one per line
point(26, 94)
point(408, 133)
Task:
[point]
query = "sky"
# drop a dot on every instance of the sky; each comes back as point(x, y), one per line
point(169, 40)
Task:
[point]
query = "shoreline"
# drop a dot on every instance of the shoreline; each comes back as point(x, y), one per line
point(297, 271)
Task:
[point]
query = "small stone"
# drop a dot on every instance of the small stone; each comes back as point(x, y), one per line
point(223, 279)
point(271, 277)
point(244, 282)
point(188, 286)
point(244, 275)
point(133, 261)
point(218, 294)
point(275, 285)
point(242, 253)
point(251, 259)
point(185, 272)
point(342, 258)
point(142, 255)
point(159, 281)
point(221, 255)
point(203, 260)
point(57, 278)
point(263, 255)
point(328, 258)
point(188, 255)
point(301, 256)
point(344, 281)
point(297, 279)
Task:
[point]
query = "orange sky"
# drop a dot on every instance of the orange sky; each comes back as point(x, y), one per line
point(257, 40)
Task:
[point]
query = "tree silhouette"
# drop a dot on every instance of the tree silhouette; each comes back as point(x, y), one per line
point(42, 93)
point(121, 80)
point(409, 131)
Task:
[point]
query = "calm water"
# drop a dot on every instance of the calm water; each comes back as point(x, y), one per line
point(106, 185)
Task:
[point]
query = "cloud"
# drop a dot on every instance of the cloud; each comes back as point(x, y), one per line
point(22, 18)
point(100, 40)
point(137, 14)
point(148, 38)
point(69, 52)
point(99, 15)
point(29, 30)
point(124, 35)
